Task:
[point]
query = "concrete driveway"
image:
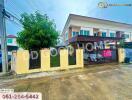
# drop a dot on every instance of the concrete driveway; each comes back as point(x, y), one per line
point(108, 82)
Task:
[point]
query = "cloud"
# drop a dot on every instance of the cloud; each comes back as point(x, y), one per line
point(60, 9)
point(55, 9)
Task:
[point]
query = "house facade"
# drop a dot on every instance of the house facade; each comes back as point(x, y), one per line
point(99, 38)
point(11, 43)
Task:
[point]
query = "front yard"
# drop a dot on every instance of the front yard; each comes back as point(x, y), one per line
point(111, 82)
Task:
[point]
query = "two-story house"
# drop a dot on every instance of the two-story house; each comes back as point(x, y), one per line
point(98, 37)
point(11, 43)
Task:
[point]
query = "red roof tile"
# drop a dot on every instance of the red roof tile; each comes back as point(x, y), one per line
point(11, 36)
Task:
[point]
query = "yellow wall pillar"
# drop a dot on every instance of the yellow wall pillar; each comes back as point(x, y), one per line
point(22, 62)
point(64, 59)
point(79, 58)
point(121, 55)
point(45, 60)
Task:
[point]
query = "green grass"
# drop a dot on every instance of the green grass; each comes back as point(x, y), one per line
point(72, 60)
point(55, 61)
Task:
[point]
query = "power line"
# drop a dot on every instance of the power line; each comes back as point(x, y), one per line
point(15, 18)
point(16, 24)
point(13, 14)
point(12, 18)
point(9, 15)
point(33, 5)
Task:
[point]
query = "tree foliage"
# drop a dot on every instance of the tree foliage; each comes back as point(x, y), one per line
point(122, 43)
point(38, 32)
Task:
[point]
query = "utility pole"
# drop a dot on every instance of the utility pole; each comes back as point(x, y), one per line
point(3, 37)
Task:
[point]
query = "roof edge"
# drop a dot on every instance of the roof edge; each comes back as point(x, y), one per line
point(67, 22)
point(100, 19)
point(75, 15)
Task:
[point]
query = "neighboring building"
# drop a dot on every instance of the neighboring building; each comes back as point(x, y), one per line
point(11, 43)
point(80, 30)
point(128, 45)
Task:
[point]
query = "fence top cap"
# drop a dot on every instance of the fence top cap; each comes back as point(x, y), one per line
point(45, 48)
point(14, 51)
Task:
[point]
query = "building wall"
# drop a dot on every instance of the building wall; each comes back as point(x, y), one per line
point(73, 29)
point(128, 37)
point(124, 53)
point(103, 27)
point(99, 25)
point(11, 42)
point(70, 33)
point(88, 28)
point(128, 53)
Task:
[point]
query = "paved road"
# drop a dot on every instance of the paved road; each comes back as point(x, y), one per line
point(112, 82)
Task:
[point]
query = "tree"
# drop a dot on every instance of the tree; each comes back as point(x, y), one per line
point(38, 32)
point(122, 43)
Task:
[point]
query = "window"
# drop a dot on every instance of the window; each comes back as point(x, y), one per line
point(86, 33)
point(81, 32)
point(103, 34)
point(126, 36)
point(95, 34)
point(9, 41)
point(75, 33)
point(112, 34)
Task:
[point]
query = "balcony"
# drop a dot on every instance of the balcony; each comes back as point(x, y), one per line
point(82, 38)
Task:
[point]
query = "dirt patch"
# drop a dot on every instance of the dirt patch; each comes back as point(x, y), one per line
point(106, 84)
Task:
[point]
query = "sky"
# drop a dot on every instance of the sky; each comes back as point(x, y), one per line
point(60, 9)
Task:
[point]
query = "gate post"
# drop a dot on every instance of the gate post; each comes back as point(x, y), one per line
point(45, 60)
point(121, 55)
point(79, 58)
point(64, 59)
point(22, 62)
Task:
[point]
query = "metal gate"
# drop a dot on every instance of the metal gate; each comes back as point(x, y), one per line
point(34, 61)
point(72, 57)
point(128, 54)
point(100, 56)
point(54, 57)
